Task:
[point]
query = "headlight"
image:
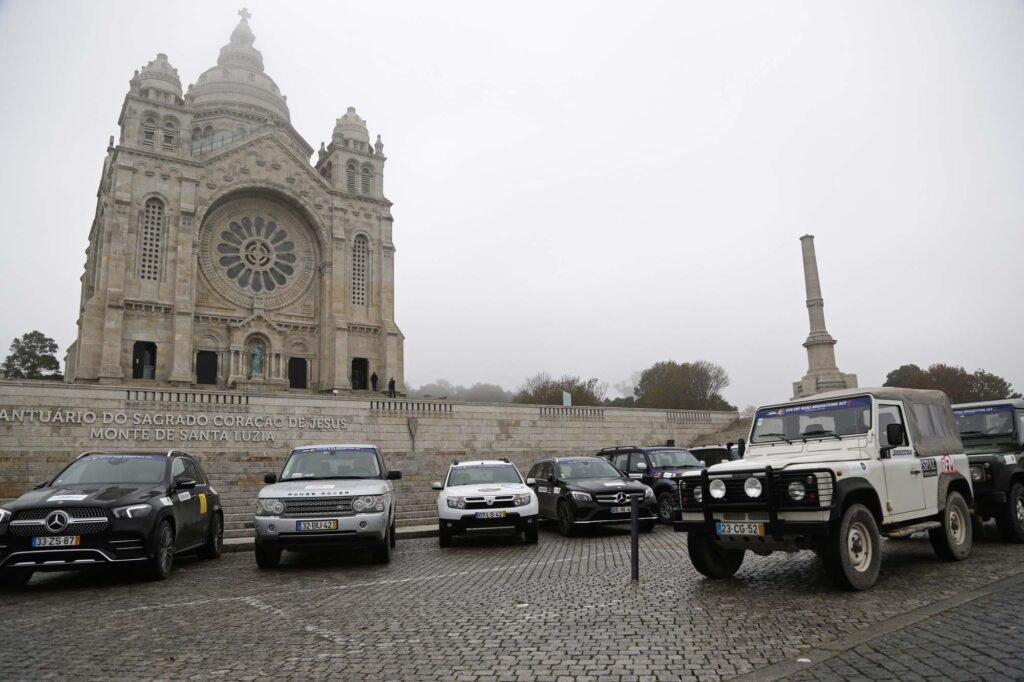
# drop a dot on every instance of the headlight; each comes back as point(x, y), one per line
point(698, 494)
point(752, 487)
point(5, 515)
point(269, 506)
point(582, 497)
point(648, 493)
point(368, 503)
point(717, 488)
point(797, 491)
point(977, 474)
point(135, 511)
point(521, 500)
point(457, 502)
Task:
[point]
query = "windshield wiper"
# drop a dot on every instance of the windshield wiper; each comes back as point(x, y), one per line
point(776, 435)
point(969, 433)
point(818, 433)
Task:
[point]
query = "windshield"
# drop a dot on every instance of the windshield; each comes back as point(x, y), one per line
point(332, 463)
point(588, 468)
point(981, 422)
point(848, 417)
point(673, 459)
point(470, 475)
point(114, 469)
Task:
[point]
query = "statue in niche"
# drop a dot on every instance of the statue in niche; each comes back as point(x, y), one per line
point(256, 360)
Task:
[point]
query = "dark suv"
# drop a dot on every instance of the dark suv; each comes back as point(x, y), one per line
point(657, 467)
point(109, 509)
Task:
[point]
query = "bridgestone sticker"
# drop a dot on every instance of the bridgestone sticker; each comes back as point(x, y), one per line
point(929, 467)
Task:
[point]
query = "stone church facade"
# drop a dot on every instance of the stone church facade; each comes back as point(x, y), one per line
point(220, 256)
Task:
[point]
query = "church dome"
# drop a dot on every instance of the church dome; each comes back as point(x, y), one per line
point(352, 127)
point(238, 80)
point(160, 75)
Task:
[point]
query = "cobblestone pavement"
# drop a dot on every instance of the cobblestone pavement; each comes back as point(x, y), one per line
point(494, 609)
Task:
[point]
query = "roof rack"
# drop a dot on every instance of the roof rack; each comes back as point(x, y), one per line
point(455, 462)
point(504, 459)
point(620, 447)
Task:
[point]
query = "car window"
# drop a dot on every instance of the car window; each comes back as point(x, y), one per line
point(470, 475)
point(594, 467)
point(192, 471)
point(114, 469)
point(635, 460)
point(178, 468)
point(889, 414)
point(620, 459)
point(547, 470)
point(332, 463)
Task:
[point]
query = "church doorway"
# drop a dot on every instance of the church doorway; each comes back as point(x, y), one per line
point(144, 360)
point(296, 372)
point(360, 374)
point(206, 367)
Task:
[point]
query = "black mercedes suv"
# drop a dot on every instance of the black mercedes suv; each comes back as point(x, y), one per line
point(656, 466)
point(582, 491)
point(108, 508)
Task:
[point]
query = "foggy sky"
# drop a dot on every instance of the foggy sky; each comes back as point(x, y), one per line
point(589, 188)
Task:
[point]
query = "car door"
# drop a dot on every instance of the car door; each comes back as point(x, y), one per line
point(202, 496)
point(186, 504)
point(547, 498)
point(903, 472)
point(638, 468)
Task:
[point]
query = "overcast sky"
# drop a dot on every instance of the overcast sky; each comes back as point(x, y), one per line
point(592, 187)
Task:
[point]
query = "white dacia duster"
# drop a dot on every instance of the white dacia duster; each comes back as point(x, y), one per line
point(834, 473)
point(485, 495)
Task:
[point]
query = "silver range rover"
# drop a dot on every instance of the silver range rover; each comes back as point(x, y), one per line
point(328, 496)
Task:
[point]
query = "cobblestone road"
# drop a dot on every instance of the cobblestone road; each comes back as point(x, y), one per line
point(497, 610)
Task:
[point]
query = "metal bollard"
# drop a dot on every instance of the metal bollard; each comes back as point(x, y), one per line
point(634, 557)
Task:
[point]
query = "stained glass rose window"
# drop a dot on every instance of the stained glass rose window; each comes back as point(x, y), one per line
point(256, 254)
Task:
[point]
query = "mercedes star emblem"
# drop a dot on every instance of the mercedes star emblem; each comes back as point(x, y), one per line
point(57, 520)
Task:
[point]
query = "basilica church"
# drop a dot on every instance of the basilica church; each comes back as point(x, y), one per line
point(221, 256)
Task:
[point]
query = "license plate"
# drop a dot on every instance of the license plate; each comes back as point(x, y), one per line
point(317, 525)
point(491, 515)
point(620, 510)
point(58, 541)
point(740, 528)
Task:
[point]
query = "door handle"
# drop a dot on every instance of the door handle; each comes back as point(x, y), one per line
point(915, 472)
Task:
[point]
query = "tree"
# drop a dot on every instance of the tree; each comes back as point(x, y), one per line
point(688, 386)
point(477, 393)
point(541, 389)
point(33, 356)
point(955, 382)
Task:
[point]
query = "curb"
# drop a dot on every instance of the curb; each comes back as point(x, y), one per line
point(407, 533)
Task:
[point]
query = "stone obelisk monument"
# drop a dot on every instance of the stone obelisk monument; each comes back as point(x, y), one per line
point(822, 372)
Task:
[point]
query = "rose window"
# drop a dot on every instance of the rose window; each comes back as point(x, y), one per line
point(256, 254)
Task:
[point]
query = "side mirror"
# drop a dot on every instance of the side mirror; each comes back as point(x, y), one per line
point(270, 478)
point(741, 447)
point(551, 479)
point(642, 466)
point(703, 463)
point(394, 475)
point(531, 481)
point(41, 484)
point(895, 435)
point(185, 484)
point(437, 485)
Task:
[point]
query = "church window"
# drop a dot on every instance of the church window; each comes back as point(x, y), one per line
point(148, 132)
point(360, 250)
point(351, 177)
point(367, 180)
point(152, 233)
point(197, 140)
point(170, 135)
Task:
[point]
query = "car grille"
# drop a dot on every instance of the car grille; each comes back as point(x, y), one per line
point(613, 498)
point(735, 495)
point(318, 506)
point(480, 503)
point(73, 528)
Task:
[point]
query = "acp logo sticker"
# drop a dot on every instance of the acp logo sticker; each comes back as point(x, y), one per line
point(947, 465)
point(929, 467)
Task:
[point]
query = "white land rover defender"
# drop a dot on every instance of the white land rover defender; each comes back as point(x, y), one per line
point(834, 473)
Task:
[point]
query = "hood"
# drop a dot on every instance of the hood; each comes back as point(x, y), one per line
point(487, 489)
point(606, 485)
point(990, 446)
point(778, 463)
point(340, 487)
point(88, 495)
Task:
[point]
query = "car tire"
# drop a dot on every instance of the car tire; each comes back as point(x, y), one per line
point(647, 526)
point(666, 507)
point(15, 578)
point(530, 534)
point(952, 541)
point(1011, 520)
point(710, 559)
point(381, 553)
point(853, 553)
point(565, 520)
point(444, 537)
point(163, 551)
point(267, 557)
point(214, 539)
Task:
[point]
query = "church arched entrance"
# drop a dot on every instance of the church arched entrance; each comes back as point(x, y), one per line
point(297, 373)
point(206, 367)
point(144, 360)
point(360, 374)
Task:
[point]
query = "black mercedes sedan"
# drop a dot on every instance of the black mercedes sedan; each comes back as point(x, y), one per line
point(583, 491)
point(110, 508)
